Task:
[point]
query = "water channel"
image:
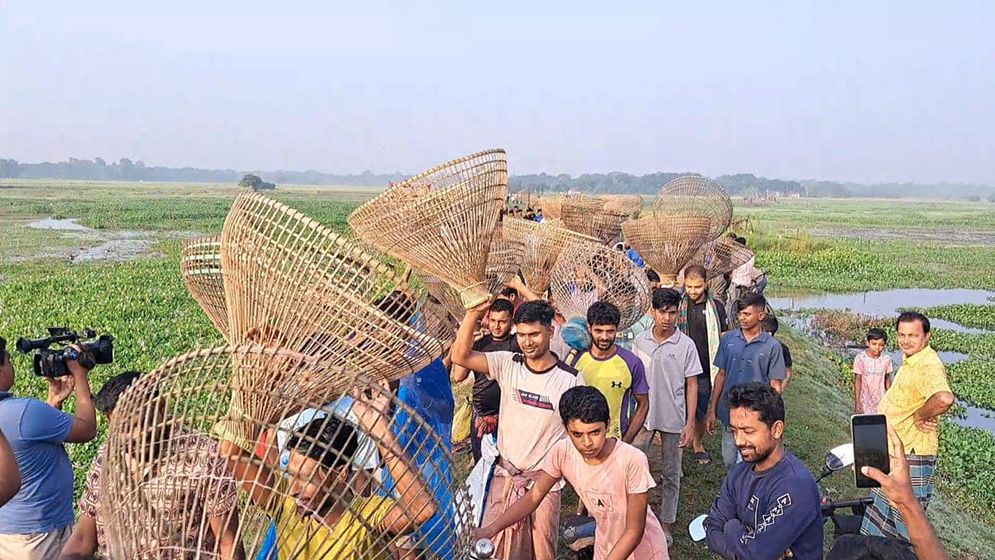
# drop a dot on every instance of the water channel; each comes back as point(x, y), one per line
point(886, 304)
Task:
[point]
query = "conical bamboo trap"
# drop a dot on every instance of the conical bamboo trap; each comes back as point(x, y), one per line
point(586, 274)
point(503, 264)
point(628, 204)
point(441, 221)
point(200, 266)
point(544, 244)
point(667, 246)
point(721, 256)
point(293, 283)
point(697, 197)
point(169, 477)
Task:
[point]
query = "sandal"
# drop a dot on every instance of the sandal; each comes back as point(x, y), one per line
point(702, 458)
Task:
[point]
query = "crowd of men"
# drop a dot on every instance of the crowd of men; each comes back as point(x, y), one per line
point(596, 417)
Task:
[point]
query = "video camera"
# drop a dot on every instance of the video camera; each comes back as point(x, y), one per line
point(52, 363)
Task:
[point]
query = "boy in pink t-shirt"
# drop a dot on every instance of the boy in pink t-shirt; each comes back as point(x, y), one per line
point(871, 369)
point(611, 477)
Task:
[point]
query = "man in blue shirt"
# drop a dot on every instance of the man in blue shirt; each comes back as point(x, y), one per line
point(37, 521)
point(745, 355)
point(768, 506)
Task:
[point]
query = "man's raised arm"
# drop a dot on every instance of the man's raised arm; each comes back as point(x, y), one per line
point(463, 353)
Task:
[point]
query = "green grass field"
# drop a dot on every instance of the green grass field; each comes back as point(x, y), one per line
point(144, 304)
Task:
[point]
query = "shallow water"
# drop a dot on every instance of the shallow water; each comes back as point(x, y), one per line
point(62, 225)
point(980, 418)
point(886, 303)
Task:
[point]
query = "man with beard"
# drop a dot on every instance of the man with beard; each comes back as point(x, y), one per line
point(769, 504)
point(746, 354)
point(486, 393)
point(532, 382)
point(703, 318)
point(616, 372)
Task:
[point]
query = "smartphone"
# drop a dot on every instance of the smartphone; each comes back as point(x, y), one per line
point(870, 446)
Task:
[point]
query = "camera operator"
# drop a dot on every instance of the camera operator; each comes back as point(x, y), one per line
point(36, 523)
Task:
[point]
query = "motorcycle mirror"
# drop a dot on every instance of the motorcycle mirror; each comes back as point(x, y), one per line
point(840, 457)
point(697, 528)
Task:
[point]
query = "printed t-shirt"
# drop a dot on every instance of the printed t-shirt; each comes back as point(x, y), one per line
point(352, 536)
point(604, 490)
point(872, 372)
point(618, 377)
point(530, 407)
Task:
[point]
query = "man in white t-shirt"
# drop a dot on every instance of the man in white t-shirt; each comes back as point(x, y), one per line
point(531, 383)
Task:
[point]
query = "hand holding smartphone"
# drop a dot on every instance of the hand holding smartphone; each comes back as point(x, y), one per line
point(870, 446)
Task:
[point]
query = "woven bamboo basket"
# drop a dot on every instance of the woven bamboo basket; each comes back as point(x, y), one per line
point(293, 283)
point(586, 274)
point(544, 244)
point(200, 266)
point(721, 256)
point(577, 212)
point(503, 264)
point(694, 195)
point(169, 467)
point(441, 221)
point(629, 205)
point(667, 246)
point(551, 206)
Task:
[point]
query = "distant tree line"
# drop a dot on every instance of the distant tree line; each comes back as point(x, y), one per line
point(616, 182)
point(127, 170)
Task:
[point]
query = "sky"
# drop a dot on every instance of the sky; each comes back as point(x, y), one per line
point(858, 91)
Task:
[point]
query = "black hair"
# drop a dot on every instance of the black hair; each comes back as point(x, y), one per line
point(877, 334)
point(753, 299)
point(537, 311)
point(397, 305)
point(666, 297)
point(758, 397)
point(913, 316)
point(502, 305)
point(106, 398)
point(327, 440)
point(695, 271)
point(603, 313)
point(584, 403)
point(508, 292)
point(652, 276)
point(741, 241)
point(770, 324)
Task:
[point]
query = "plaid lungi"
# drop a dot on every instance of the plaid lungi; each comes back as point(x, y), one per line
point(883, 520)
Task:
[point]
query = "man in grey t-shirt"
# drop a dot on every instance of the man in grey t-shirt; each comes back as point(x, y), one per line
point(672, 368)
point(747, 354)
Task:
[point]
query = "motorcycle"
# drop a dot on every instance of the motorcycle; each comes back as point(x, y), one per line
point(837, 459)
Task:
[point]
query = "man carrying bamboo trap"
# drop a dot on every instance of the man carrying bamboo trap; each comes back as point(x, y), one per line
point(531, 383)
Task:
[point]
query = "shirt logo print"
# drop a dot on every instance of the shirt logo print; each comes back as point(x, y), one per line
point(769, 518)
point(616, 384)
point(534, 400)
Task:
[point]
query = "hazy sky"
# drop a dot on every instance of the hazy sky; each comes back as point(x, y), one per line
point(867, 91)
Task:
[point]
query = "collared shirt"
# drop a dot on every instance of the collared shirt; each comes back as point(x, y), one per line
point(921, 376)
point(760, 360)
point(193, 475)
point(618, 377)
point(668, 365)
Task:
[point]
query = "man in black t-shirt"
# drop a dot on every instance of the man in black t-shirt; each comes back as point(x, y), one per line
point(703, 319)
point(771, 325)
point(486, 393)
